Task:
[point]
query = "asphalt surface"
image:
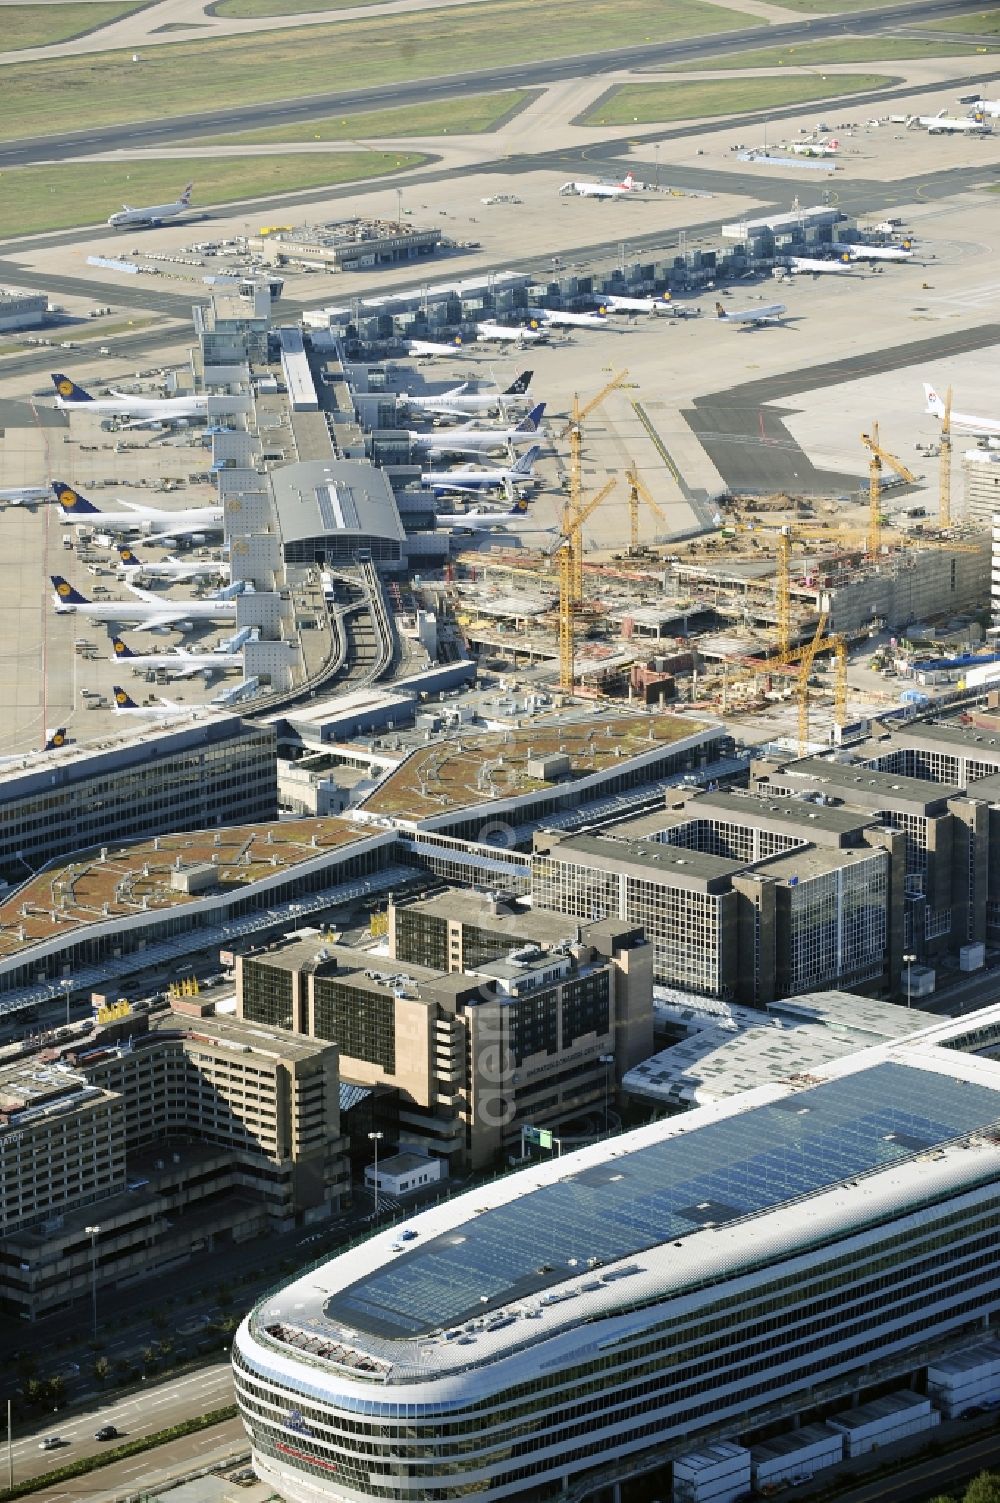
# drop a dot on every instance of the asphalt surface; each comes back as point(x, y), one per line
point(731, 424)
point(61, 146)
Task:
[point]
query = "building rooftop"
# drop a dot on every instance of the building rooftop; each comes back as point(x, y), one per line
point(343, 496)
point(860, 784)
point(672, 864)
point(960, 740)
point(476, 911)
point(813, 861)
point(475, 768)
point(119, 882)
point(700, 1197)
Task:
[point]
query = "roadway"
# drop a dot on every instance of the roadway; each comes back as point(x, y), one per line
point(61, 146)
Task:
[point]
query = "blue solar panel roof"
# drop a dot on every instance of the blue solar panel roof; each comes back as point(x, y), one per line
point(718, 1172)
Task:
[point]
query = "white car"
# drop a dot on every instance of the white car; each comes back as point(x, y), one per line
point(50, 1443)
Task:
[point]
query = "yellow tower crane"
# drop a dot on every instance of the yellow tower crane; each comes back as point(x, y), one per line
point(637, 490)
point(878, 457)
point(574, 429)
point(802, 686)
point(840, 683)
point(569, 553)
point(944, 506)
point(784, 587)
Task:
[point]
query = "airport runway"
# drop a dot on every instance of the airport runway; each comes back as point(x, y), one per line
point(59, 147)
point(750, 445)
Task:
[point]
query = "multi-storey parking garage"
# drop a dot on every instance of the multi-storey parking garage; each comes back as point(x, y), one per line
point(598, 1315)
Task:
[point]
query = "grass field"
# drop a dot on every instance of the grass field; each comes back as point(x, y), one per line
point(59, 197)
point(983, 23)
point(253, 10)
point(41, 25)
point(823, 6)
point(187, 77)
point(655, 103)
point(479, 112)
point(852, 50)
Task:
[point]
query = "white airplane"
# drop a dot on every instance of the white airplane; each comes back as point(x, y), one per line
point(73, 398)
point(148, 613)
point(470, 440)
point(425, 349)
point(943, 124)
point(469, 479)
point(818, 268)
point(127, 217)
point(600, 190)
point(559, 320)
point(460, 401)
point(193, 522)
point(872, 252)
point(24, 495)
point(987, 107)
point(170, 568)
point(751, 318)
point(935, 406)
point(490, 332)
point(616, 304)
point(815, 148)
point(180, 663)
point(123, 704)
point(53, 740)
point(490, 521)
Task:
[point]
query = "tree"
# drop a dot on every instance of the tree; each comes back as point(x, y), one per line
point(55, 1391)
point(983, 1489)
point(101, 1368)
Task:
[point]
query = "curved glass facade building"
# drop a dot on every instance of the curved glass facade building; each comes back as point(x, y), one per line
point(589, 1317)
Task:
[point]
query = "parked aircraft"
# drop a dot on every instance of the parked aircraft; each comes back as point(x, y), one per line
point(472, 440)
point(751, 318)
point(426, 349)
point(148, 613)
point(489, 332)
point(180, 663)
point(514, 521)
point(873, 252)
point(470, 479)
point(24, 495)
point(600, 190)
point(53, 740)
point(70, 397)
point(818, 267)
point(815, 148)
point(191, 522)
point(170, 568)
point(935, 406)
point(165, 709)
point(616, 304)
point(943, 124)
point(460, 401)
point(129, 218)
point(559, 320)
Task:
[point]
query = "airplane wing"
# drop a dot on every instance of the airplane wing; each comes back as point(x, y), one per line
point(153, 623)
point(183, 530)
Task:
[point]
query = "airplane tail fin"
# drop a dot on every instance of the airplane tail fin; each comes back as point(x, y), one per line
point(55, 739)
point(121, 649)
point(628, 181)
point(67, 594)
point(530, 423)
point(122, 699)
point(128, 559)
point(526, 463)
point(720, 312)
point(935, 406)
point(72, 503)
point(68, 390)
point(519, 507)
point(519, 385)
point(185, 197)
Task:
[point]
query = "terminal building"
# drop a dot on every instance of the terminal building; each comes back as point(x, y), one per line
point(137, 1148)
point(800, 1255)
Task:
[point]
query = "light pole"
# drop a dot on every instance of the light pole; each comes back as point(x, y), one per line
point(93, 1232)
point(607, 1060)
point(908, 961)
point(376, 1138)
point(656, 158)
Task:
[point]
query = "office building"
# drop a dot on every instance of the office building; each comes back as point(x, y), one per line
point(169, 1141)
point(22, 310)
point(535, 1035)
point(695, 1281)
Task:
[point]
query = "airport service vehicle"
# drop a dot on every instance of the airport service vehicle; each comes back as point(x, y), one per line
point(468, 478)
point(160, 525)
point(460, 401)
point(170, 568)
point(472, 440)
point(600, 190)
point(129, 218)
point(935, 406)
point(145, 611)
point(751, 318)
point(181, 663)
point(70, 397)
